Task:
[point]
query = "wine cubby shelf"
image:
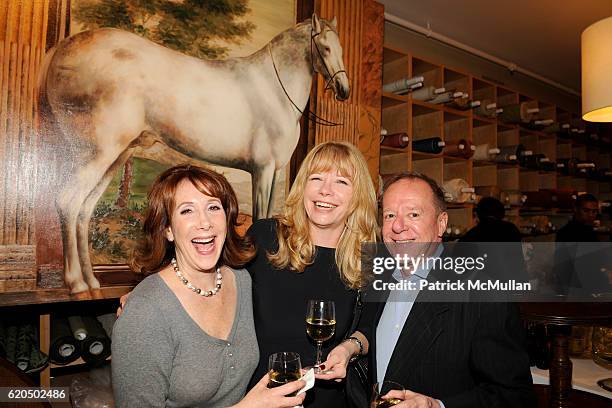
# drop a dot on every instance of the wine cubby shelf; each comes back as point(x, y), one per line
point(423, 120)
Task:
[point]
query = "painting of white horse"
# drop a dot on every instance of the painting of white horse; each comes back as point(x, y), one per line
point(114, 94)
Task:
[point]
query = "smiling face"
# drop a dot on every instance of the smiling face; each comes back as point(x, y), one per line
point(409, 213)
point(198, 227)
point(327, 198)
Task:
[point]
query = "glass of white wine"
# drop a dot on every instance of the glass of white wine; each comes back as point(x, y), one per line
point(380, 390)
point(320, 324)
point(284, 367)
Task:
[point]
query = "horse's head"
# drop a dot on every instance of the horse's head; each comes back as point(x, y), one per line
point(327, 56)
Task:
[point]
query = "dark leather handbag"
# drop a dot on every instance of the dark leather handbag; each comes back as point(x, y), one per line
point(357, 383)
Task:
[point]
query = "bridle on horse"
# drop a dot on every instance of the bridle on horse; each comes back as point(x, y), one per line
point(313, 117)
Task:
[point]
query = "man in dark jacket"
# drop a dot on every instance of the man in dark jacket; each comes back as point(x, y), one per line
point(491, 225)
point(445, 354)
point(580, 227)
point(581, 261)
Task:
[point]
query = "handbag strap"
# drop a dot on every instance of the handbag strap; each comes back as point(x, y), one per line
point(356, 313)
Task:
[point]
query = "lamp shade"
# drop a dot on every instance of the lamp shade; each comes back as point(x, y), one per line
point(597, 71)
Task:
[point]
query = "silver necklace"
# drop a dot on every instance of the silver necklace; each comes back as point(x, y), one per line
point(205, 293)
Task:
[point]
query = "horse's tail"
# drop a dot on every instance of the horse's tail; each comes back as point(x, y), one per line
point(44, 108)
point(51, 138)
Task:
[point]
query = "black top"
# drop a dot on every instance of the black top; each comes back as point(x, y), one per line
point(575, 231)
point(505, 262)
point(280, 299)
point(578, 264)
point(491, 229)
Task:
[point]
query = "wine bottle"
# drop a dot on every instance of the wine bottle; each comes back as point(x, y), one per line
point(513, 198)
point(432, 145)
point(320, 329)
point(427, 93)
point(574, 167)
point(399, 140)
point(539, 124)
point(506, 156)
point(445, 97)
point(564, 198)
point(547, 165)
point(403, 84)
point(464, 103)
point(484, 152)
point(536, 161)
point(603, 175)
point(487, 108)
point(539, 199)
point(585, 168)
point(523, 154)
point(512, 154)
point(453, 232)
point(463, 148)
point(488, 191)
point(410, 89)
point(518, 113)
point(552, 128)
point(458, 190)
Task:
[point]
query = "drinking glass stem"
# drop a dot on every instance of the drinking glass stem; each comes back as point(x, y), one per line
point(318, 361)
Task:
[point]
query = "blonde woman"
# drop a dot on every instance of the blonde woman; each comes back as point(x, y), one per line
point(312, 251)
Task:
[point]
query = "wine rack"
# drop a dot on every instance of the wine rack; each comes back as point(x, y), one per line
point(541, 134)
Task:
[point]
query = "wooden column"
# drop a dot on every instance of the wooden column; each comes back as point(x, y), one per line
point(22, 46)
point(360, 28)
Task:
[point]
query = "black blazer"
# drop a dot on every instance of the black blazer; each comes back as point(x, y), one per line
point(464, 354)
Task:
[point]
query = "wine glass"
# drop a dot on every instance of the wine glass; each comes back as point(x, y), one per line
point(283, 368)
point(380, 390)
point(320, 324)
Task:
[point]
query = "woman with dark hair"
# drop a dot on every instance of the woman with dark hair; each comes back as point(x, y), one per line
point(186, 337)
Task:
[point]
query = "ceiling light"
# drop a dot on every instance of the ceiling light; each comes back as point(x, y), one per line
point(597, 72)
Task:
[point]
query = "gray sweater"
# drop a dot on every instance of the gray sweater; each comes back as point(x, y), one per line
point(161, 357)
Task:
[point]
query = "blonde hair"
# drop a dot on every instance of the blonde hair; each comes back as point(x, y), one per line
point(295, 247)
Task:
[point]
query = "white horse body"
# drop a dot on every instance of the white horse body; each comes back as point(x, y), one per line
point(160, 90)
point(114, 93)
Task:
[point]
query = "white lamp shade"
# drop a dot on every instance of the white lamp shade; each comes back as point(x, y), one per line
point(597, 72)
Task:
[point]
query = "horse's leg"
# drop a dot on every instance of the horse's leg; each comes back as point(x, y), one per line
point(262, 178)
point(103, 135)
point(85, 217)
point(272, 190)
point(68, 203)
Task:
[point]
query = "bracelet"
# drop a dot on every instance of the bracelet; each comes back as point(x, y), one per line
point(359, 343)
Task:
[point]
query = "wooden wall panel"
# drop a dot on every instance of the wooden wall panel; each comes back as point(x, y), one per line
point(22, 46)
point(360, 28)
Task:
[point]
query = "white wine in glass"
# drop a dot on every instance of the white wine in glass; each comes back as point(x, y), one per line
point(381, 389)
point(320, 324)
point(283, 368)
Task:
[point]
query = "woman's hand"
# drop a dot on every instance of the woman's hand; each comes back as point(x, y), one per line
point(337, 362)
point(261, 396)
point(122, 301)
